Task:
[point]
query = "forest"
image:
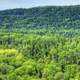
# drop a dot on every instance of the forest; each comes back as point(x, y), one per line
point(41, 43)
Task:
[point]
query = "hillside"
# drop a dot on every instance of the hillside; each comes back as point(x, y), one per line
point(41, 17)
point(41, 43)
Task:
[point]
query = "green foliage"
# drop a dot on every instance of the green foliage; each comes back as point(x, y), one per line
point(40, 44)
point(33, 56)
point(40, 17)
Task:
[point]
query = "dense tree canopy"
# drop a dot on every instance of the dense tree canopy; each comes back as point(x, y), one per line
point(41, 17)
point(40, 43)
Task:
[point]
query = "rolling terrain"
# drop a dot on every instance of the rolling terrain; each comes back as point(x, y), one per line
point(39, 17)
point(41, 43)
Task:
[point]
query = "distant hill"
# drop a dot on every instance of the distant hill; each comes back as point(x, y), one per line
point(41, 17)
